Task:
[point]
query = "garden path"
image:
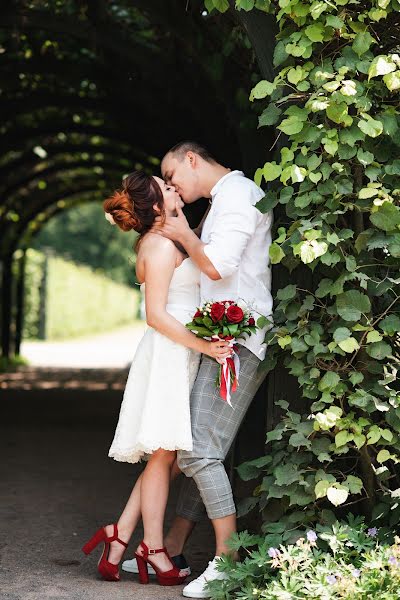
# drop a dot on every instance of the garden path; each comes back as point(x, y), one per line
point(58, 486)
point(107, 349)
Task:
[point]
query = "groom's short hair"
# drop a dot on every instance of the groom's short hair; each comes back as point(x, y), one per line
point(180, 150)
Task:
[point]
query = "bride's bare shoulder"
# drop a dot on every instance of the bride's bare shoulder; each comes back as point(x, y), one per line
point(154, 244)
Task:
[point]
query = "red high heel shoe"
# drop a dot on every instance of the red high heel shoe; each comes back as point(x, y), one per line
point(170, 577)
point(108, 571)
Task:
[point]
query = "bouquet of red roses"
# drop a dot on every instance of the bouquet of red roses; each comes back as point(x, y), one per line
point(224, 320)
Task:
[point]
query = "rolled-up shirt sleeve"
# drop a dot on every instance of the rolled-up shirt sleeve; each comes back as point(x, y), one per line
point(235, 220)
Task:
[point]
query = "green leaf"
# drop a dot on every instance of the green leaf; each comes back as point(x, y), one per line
point(297, 174)
point(261, 90)
point(348, 88)
point(275, 253)
point(269, 116)
point(246, 5)
point(350, 345)
point(379, 350)
point(329, 381)
point(338, 113)
point(280, 54)
point(383, 456)
point(334, 22)
point(337, 494)
point(313, 162)
point(367, 192)
point(317, 8)
point(287, 155)
point(351, 263)
point(362, 43)
point(296, 75)
point(315, 33)
point(284, 341)
point(381, 65)
point(258, 175)
point(390, 324)
point(370, 126)
point(373, 435)
point(298, 439)
point(321, 488)
point(341, 333)
point(275, 434)
point(392, 81)
point(251, 469)
point(286, 474)
point(373, 336)
point(354, 484)
point(387, 435)
point(359, 440)
point(387, 217)
point(271, 171)
point(269, 201)
point(291, 125)
point(365, 157)
point(331, 146)
point(352, 304)
point(356, 377)
point(287, 293)
point(221, 5)
point(342, 437)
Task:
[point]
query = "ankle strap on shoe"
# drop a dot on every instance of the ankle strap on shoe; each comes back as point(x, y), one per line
point(115, 538)
point(147, 552)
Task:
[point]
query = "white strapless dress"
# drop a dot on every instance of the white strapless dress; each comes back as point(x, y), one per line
point(155, 410)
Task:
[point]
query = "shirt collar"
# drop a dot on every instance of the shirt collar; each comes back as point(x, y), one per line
point(219, 183)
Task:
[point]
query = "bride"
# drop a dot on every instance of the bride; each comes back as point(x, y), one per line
point(154, 420)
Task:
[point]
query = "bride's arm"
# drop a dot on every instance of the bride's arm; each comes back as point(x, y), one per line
point(159, 266)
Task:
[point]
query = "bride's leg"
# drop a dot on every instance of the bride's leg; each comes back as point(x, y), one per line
point(127, 522)
point(131, 516)
point(154, 496)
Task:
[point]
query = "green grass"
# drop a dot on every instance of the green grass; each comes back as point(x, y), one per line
point(79, 300)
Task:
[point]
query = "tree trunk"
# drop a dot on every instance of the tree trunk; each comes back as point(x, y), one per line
point(6, 306)
point(20, 293)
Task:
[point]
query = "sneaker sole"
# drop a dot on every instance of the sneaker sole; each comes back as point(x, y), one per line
point(151, 571)
point(195, 594)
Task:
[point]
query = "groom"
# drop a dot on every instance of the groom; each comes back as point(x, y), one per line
point(232, 255)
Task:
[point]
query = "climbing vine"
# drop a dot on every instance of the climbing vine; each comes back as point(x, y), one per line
point(335, 181)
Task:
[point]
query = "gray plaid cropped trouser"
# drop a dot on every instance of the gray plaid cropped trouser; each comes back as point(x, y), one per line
point(214, 427)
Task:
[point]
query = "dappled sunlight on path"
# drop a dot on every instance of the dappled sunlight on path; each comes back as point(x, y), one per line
point(52, 378)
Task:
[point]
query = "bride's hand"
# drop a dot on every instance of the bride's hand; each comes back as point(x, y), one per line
point(219, 350)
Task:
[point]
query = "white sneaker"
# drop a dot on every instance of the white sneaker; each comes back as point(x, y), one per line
point(130, 566)
point(197, 587)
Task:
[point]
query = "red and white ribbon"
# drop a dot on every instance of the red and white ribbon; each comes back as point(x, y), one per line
point(230, 368)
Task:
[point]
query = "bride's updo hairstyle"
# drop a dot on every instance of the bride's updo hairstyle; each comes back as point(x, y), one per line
point(132, 207)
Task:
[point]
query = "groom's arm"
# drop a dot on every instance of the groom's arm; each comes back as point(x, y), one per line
point(195, 248)
point(234, 223)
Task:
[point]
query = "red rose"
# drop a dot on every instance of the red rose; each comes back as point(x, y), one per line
point(234, 314)
point(251, 322)
point(217, 311)
point(198, 314)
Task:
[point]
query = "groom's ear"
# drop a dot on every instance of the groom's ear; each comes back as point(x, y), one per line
point(192, 158)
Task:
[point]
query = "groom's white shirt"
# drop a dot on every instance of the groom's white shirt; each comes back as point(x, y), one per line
point(237, 237)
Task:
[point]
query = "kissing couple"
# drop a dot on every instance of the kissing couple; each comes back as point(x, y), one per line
point(172, 414)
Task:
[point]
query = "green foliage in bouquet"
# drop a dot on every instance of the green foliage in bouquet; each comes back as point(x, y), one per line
point(213, 319)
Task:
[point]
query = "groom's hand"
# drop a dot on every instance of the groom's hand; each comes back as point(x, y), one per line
point(174, 228)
